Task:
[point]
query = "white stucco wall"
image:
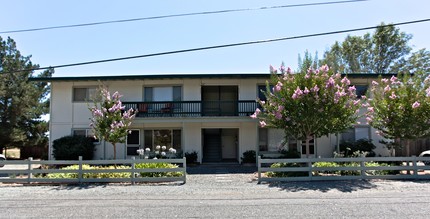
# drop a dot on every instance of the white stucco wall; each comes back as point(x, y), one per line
point(67, 115)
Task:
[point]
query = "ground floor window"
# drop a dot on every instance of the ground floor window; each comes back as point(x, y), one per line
point(311, 147)
point(263, 139)
point(133, 142)
point(171, 138)
point(85, 132)
point(356, 133)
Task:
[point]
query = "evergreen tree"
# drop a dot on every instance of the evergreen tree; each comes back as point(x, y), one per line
point(22, 102)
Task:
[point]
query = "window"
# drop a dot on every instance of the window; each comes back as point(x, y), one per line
point(86, 133)
point(311, 147)
point(133, 137)
point(133, 142)
point(354, 134)
point(82, 94)
point(360, 90)
point(263, 139)
point(171, 138)
point(261, 90)
point(173, 93)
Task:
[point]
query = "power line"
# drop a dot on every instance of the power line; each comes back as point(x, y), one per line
point(228, 45)
point(179, 15)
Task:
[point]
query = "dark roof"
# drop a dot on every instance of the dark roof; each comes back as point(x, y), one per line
point(181, 76)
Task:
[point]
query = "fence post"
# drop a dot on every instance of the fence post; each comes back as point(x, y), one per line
point(259, 169)
point(80, 170)
point(309, 168)
point(133, 167)
point(184, 161)
point(414, 164)
point(30, 168)
point(362, 166)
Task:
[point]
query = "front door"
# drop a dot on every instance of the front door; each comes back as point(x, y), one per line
point(229, 144)
point(220, 145)
point(211, 145)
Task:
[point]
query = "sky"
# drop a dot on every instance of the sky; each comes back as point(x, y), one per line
point(90, 43)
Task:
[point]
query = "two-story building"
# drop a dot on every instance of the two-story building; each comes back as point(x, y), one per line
point(206, 113)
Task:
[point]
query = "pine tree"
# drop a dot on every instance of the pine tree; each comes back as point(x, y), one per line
point(22, 102)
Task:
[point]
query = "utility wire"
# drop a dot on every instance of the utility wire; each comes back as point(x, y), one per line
point(230, 45)
point(179, 15)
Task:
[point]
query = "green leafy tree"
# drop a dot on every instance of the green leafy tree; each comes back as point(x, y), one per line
point(308, 104)
point(400, 108)
point(307, 61)
point(384, 51)
point(110, 121)
point(22, 102)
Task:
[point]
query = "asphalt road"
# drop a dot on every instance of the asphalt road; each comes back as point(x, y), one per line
point(220, 196)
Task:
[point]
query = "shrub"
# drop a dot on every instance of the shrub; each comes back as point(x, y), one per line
point(289, 154)
point(155, 166)
point(90, 175)
point(362, 145)
point(249, 157)
point(191, 157)
point(71, 147)
point(378, 172)
point(326, 164)
point(350, 172)
point(287, 173)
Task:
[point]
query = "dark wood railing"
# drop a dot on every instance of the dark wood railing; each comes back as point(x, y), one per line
point(193, 108)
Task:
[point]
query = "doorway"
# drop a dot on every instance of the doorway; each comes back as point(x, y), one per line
point(219, 100)
point(220, 145)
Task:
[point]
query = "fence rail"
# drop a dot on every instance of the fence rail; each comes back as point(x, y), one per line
point(242, 108)
point(306, 169)
point(31, 171)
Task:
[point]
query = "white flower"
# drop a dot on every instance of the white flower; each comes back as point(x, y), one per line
point(155, 158)
point(147, 149)
point(157, 152)
point(173, 151)
point(163, 148)
point(163, 153)
point(157, 147)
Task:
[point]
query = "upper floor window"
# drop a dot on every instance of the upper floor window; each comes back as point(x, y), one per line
point(81, 94)
point(172, 93)
point(261, 90)
point(360, 90)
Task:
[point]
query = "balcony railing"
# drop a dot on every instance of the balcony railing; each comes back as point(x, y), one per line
point(193, 108)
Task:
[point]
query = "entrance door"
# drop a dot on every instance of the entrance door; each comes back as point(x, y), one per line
point(229, 144)
point(212, 145)
point(220, 145)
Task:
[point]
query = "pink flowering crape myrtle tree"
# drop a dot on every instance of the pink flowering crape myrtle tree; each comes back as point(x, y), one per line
point(400, 107)
point(308, 104)
point(110, 121)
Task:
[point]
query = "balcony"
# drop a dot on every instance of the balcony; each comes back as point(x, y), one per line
point(193, 108)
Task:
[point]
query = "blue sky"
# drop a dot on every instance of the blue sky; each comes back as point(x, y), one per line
point(64, 46)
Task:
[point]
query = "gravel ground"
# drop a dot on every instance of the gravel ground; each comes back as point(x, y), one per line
point(220, 195)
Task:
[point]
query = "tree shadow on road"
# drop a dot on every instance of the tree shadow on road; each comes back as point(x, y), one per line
point(324, 186)
point(78, 187)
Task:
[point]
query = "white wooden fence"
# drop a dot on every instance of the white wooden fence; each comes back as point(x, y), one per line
point(29, 171)
point(306, 170)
